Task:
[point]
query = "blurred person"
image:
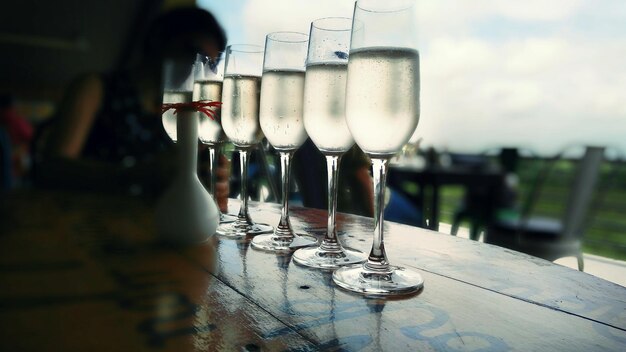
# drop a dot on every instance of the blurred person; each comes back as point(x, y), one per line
point(107, 133)
point(20, 133)
point(355, 191)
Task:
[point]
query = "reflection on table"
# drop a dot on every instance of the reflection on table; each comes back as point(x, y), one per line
point(81, 272)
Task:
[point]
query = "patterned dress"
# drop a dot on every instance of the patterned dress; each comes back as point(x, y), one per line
point(122, 131)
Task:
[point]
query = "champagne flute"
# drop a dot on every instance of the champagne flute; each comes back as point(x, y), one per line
point(209, 75)
point(240, 120)
point(168, 119)
point(382, 111)
point(282, 90)
point(177, 88)
point(325, 123)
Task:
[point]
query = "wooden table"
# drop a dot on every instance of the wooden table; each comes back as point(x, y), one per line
point(80, 272)
point(431, 179)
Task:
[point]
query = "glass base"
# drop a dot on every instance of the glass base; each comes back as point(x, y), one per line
point(227, 218)
point(238, 229)
point(273, 243)
point(397, 281)
point(325, 259)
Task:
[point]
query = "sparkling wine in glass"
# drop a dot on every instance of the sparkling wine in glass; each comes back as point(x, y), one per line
point(325, 123)
point(177, 88)
point(178, 80)
point(282, 91)
point(209, 75)
point(240, 121)
point(172, 96)
point(382, 111)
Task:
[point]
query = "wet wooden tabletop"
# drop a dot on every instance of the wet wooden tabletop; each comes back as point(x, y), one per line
point(81, 272)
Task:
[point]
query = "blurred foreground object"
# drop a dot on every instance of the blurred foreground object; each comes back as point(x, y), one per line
point(16, 134)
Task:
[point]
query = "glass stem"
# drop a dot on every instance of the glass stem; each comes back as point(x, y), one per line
point(377, 260)
point(284, 227)
point(243, 218)
point(213, 154)
point(330, 242)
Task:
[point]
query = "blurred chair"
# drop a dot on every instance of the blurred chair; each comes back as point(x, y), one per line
point(6, 163)
point(552, 238)
point(472, 208)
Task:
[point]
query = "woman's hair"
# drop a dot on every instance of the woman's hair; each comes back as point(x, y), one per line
point(177, 24)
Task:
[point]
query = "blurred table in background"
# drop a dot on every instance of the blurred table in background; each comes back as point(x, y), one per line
point(80, 272)
point(487, 181)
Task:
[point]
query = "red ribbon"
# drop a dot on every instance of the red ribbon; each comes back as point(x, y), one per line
point(203, 106)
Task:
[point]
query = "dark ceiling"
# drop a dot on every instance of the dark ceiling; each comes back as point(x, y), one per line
point(44, 44)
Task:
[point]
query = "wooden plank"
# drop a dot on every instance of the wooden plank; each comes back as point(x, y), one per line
point(493, 268)
point(448, 314)
point(75, 278)
point(75, 268)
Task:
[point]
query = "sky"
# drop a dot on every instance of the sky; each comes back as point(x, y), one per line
point(536, 74)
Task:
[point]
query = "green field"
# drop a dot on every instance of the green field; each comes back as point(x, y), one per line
point(605, 234)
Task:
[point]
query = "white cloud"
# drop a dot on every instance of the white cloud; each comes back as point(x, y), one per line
point(537, 10)
point(545, 73)
point(541, 92)
point(535, 87)
point(455, 13)
point(262, 17)
point(534, 55)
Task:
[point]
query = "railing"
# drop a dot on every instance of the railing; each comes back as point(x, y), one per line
point(606, 228)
